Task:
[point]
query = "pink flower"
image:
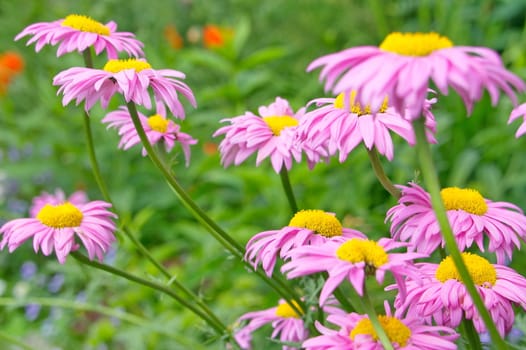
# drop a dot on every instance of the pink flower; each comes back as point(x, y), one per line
point(286, 324)
point(335, 126)
point(78, 33)
point(157, 128)
point(472, 218)
point(356, 332)
point(402, 66)
point(352, 259)
point(270, 134)
point(55, 226)
point(131, 77)
point(440, 294)
point(306, 228)
point(76, 198)
point(519, 111)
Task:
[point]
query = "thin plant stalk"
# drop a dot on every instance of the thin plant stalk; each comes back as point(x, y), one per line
point(380, 173)
point(219, 234)
point(215, 323)
point(470, 333)
point(285, 182)
point(431, 181)
point(375, 321)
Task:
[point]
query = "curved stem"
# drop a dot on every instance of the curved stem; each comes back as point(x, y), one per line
point(215, 230)
point(215, 323)
point(380, 173)
point(433, 186)
point(285, 182)
point(373, 317)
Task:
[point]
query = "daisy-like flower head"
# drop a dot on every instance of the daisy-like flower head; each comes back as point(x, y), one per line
point(471, 216)
point(286, 324)
point(131, 77)
point(337, 126)
point(272, 134)
point(441, 295)
point(76, 198)
point(352, 259)
point(403, 65)
point(357, 332)
point(77, 33)
point(307, 227)
point(55, 226)
point(157, 128)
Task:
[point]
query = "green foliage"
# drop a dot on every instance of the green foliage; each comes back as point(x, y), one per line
point(42, 147)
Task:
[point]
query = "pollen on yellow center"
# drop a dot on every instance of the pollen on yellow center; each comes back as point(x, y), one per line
point(85, 24)
point(355, 106)
point(467, 199)
point(415, 44)
point(279, 122)
point(481, 270)
point(286, 311)
point(321, 222)
point(397, 332)
point(60, 216)
point(158, 123)
point(115, 66)
point(356, 250)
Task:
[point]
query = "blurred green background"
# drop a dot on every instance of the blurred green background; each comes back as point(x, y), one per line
point(42, 147)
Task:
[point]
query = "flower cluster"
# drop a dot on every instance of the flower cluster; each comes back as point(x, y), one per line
point(383, 90)
point(377, 91)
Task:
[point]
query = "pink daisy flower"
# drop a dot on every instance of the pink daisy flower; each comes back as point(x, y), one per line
point(471, 217)
point(77, 33)
point(55, 226)
point(334, 126)
point(131, 77)
point(272, 134)
point(404, 63)
point(356, 332)
point(78, 197)
point(307, 227)
point(440, 294)
point(352, 259)
point(519, 111)
point(286, 324)
point(157, 127)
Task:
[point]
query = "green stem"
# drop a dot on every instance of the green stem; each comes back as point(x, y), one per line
point(380, 173)
point(373, 317)
point(215, 323)
point(285, 182)
point(103, 310)
point(215, 230)
point(103, 188)
point(10, 339)
point(433, 186)
point(471, 334)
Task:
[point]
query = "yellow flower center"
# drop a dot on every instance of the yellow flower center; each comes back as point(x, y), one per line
point(115, 66)
point(279, 122)
point(415, 44)
point(396, 331)
point(60, 216)
point(355, 106)
point(85, 24)
point(356, 250)
point(158, 123)
point(322, 223)
point(481, 270)
point(284, 310)
point(467, 199)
